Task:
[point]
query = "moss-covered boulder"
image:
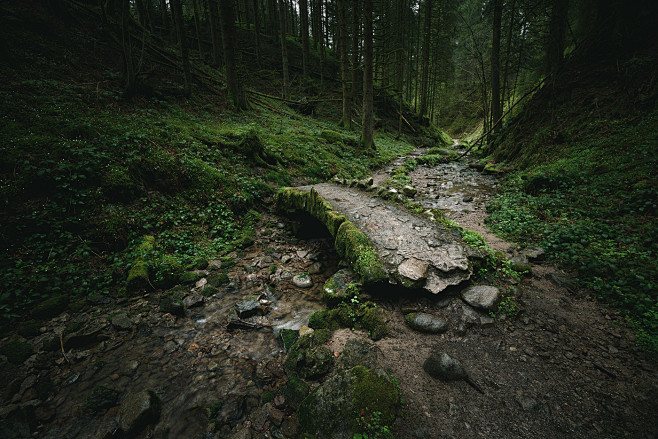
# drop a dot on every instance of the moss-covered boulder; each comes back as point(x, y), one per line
point(172, 303)
point(50, 307)
point(295, 390)
point(188, 277)
point(308, 358)
point(331, 136)
point(340, 288)
point(218, 279)
point(138, 277)
point(17, 351)
point(346, 404)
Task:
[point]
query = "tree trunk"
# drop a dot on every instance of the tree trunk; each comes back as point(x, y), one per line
point(215, 34)
point(130, 76)
point(556, 32)
point(284, 49)
point(427, 28)
point(257, 31)
point(368, 116)
point(273, 18)
point(177, 9)
point(227, 22)
point(303, 18)
point(164, 15)
point(197, 27)
point(496, 109)
point(344, 67)
point(356, 32)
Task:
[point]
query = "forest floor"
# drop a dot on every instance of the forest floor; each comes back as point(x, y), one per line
point(553, 363)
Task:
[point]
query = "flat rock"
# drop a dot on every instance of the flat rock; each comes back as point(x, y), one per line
point(428, 323)
point(358, 352)
point(193, 300)
point(482, 297)
point(534, 253)
point(416, 252)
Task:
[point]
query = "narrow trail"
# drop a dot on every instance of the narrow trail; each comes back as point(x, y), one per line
point(563, 366)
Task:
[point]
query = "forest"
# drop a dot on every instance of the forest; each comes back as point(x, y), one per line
point(328, 218)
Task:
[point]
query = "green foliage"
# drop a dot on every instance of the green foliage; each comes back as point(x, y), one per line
point(593, 208)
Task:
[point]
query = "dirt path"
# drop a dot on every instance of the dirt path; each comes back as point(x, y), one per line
point(564, 366)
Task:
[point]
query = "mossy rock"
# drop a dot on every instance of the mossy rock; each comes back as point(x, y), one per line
point(173, 304)
point(288, 337)
point(345, 404)
point(308, 358)
point(145, 249)
point(295, 390)
point(324, 319)
point(339, 288)
point(17, 351)
point(188, 277)
point(138, 277)
point(371, 320)
point(208, 291)
point(355, 247)
point(218, 279)
point(50, 307)
point(168, 273)
point(246, 238)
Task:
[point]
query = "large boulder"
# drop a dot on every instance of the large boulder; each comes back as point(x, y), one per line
point(345, 403)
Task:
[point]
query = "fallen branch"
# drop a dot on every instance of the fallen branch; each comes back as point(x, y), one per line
point(61, 344)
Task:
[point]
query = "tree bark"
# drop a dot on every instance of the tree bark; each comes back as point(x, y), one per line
point(130, 76)
point(344, 67)
point(177, 9)
point(227, 22)
point(197, 26)
point(427, 28)
point(257, 31)
point(556, 33)
point(215, 34)
point(356, 32)
point(303, 18)
point(368, 116)
point(284, 49)
point(496, 109)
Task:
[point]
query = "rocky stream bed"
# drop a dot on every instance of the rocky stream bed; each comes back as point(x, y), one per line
point(560, 365)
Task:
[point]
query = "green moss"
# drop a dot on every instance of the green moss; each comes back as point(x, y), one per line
point(374, 393)
point(268, 397)
point(336, 292)
point(288, 337)
point(355, 247)
point(117, 185)
point(172, 303)
point(188, 277)
point(295, 390)
point(372, 321)
point(323, 319)
point(17, 351)
point(331, 136)
point(208, 291)
point(168, 271)
point(308, 358)
point(138, 277)
point(218, 279)
point(145, 249)
point(50, 307)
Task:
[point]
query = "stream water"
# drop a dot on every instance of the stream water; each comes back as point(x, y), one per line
point(195, 362)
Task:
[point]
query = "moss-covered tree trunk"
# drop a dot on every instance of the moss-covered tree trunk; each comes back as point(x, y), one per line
point(368, 117)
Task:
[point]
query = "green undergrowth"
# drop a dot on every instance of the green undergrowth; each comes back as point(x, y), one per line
point(85, 176)
point(593, 207)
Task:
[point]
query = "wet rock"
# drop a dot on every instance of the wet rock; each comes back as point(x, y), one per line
point(193, 300)
point(248, 308)
point(428, 323)
point(467, 199)
point(358, 352)
point(409, 191)
point(122, 321)
point(302, 280)
point(442, 366)
point(139, 410)
point(486, 321)
point(285, 275)
point(482, 296)
point(562, 280)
